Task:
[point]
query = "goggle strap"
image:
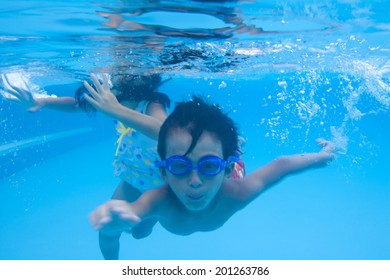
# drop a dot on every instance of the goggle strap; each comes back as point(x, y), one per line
point(159, 163)
point(234, 158)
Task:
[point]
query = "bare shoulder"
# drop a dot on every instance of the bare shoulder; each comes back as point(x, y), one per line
point(244, 189)
point(151, 201)
point(156, 195)
point(235, 189)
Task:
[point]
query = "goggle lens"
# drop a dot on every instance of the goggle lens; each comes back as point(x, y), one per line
point(178, 166)
point(211, 166)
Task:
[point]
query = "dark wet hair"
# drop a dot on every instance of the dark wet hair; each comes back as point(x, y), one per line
point(197, 116)
point(132, 88)
point(82, 103)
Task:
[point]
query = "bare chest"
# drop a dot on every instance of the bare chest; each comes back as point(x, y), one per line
point(184, 223)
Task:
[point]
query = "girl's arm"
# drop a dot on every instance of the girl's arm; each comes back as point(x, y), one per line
point(105, 101)
point(34, 103)
point(63, 104)
point(275, 171)
point(18, 91)
point(148, 125)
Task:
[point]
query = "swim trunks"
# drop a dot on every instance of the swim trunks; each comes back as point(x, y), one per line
point(238, 170)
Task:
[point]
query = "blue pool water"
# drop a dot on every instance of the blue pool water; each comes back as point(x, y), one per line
point(293, 72)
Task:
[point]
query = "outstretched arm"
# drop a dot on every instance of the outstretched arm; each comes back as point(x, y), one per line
point(19, 92)
point(105, 101)
point(114, 217)
point(63, 104)
point(283, 166)
point(117, 216)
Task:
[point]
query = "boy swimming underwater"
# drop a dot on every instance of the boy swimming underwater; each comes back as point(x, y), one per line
point(198, 147)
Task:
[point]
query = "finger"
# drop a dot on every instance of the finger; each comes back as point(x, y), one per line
point(91, 90)
point(9, 96)
point(322, 142)
point(8, 86)
point(106, 83)
point(33, 109)
point(103, 14)
point(25, 90)
point(122, 209)
point(100, 217)
point(92, 101)
point(119, 208)
point(24, 95)
point(130, 217)
point(96, 83)
point(19, 91)
point(94, 220)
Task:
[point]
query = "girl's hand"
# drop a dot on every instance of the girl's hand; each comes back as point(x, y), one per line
point(102, 98)
point(328, 147)
point(19, 92)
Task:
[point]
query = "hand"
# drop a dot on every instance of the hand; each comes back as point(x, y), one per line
point(102, 98)
point(114, 217)
point(328, 147)
point(19, 92)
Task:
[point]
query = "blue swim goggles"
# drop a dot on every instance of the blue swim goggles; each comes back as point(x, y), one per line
point(207, 165)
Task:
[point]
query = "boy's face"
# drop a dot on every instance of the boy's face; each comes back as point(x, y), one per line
point(195, 190)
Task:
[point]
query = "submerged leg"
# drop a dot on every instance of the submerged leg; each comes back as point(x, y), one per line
point(109, 246)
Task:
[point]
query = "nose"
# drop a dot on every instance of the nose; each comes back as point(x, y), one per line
point(194, 179)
